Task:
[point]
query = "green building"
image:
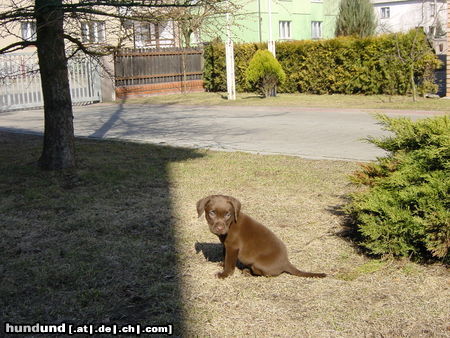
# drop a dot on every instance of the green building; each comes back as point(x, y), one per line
point(291, 20)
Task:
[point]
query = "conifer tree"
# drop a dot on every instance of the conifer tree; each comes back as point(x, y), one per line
point(356, 17)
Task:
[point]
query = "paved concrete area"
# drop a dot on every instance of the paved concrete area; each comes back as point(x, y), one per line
point(307, 132)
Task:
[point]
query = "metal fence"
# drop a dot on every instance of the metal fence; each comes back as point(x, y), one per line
point(150, 66)
point(20, 82)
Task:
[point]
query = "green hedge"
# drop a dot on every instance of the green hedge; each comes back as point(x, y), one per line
point(404, 207)
point(346, 65)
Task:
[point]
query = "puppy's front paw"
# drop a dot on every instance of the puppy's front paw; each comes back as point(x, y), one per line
point(247, 272)
point(221, 275)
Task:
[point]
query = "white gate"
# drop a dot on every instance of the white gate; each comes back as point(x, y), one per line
point(20, 82)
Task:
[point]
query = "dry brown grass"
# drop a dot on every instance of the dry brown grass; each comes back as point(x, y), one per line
point(118, 240)
point(296, 199)
point(366, 102)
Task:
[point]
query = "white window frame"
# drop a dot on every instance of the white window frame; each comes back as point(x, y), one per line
point(166, 32)
point(151, 35)
point(28, 30)
point(93, 32)
point(142, 34)
point(432, 10)
point(316, 29)
point(385, 12)
point(285, 30)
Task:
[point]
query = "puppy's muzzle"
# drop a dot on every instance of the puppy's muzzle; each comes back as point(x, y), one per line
point(219, 228)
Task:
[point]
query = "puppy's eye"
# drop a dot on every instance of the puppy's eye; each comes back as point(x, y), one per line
point(212, 213)
point(228, 215)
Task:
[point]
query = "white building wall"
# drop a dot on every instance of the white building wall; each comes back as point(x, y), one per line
point(407, 14)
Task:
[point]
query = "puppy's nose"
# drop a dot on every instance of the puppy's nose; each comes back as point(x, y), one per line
point(220, 226)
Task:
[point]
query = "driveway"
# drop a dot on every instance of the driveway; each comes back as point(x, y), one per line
point(307, 132)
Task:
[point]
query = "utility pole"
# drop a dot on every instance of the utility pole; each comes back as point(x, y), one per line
point(229, 60)
point(271, 42)
point(259, 21)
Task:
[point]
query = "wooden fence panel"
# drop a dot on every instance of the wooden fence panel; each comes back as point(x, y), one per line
point(139, 71)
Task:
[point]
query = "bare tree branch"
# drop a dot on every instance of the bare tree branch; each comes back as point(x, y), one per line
point(17, 46)
point(19, 13)
point(84, 48)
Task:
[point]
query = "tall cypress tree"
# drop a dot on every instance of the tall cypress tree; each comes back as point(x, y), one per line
point(356, 17)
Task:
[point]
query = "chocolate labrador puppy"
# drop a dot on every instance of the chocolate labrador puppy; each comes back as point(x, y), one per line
point(245, 239)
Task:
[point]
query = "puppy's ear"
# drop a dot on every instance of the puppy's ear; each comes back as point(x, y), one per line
point(236, 206)
point(201, 205)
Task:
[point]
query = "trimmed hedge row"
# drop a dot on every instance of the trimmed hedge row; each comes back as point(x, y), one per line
point(346, 65)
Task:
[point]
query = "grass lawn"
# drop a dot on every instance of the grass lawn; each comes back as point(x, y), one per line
point(117, 240)
point(302, 100)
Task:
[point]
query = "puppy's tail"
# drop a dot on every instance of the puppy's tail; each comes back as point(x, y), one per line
point(296, 272)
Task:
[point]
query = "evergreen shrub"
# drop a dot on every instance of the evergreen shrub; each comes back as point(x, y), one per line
point(264, 72)
point(403, 208)
point(356, 17)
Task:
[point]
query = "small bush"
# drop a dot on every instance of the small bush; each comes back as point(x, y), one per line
point(264, 72)
point(404, 209)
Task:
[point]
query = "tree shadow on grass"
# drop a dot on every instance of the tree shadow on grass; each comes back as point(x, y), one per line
point(92, 245)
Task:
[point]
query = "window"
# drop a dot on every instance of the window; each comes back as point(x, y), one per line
point(316, 29)
point(285, 29)
point(196, 37)
point(28, 30)
point(385, 12)
point(93, 31)
point(432, 31)
point(148, 35)
point(166, 33)
point(432, 10)
point(142, 35)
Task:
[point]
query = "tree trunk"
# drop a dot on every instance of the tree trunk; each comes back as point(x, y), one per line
point(186, 31)
point(413, 84)
point(59, 149)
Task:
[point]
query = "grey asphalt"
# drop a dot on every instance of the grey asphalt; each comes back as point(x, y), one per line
point(306, 132)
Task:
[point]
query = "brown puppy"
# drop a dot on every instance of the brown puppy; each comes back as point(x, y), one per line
point(245, 239)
